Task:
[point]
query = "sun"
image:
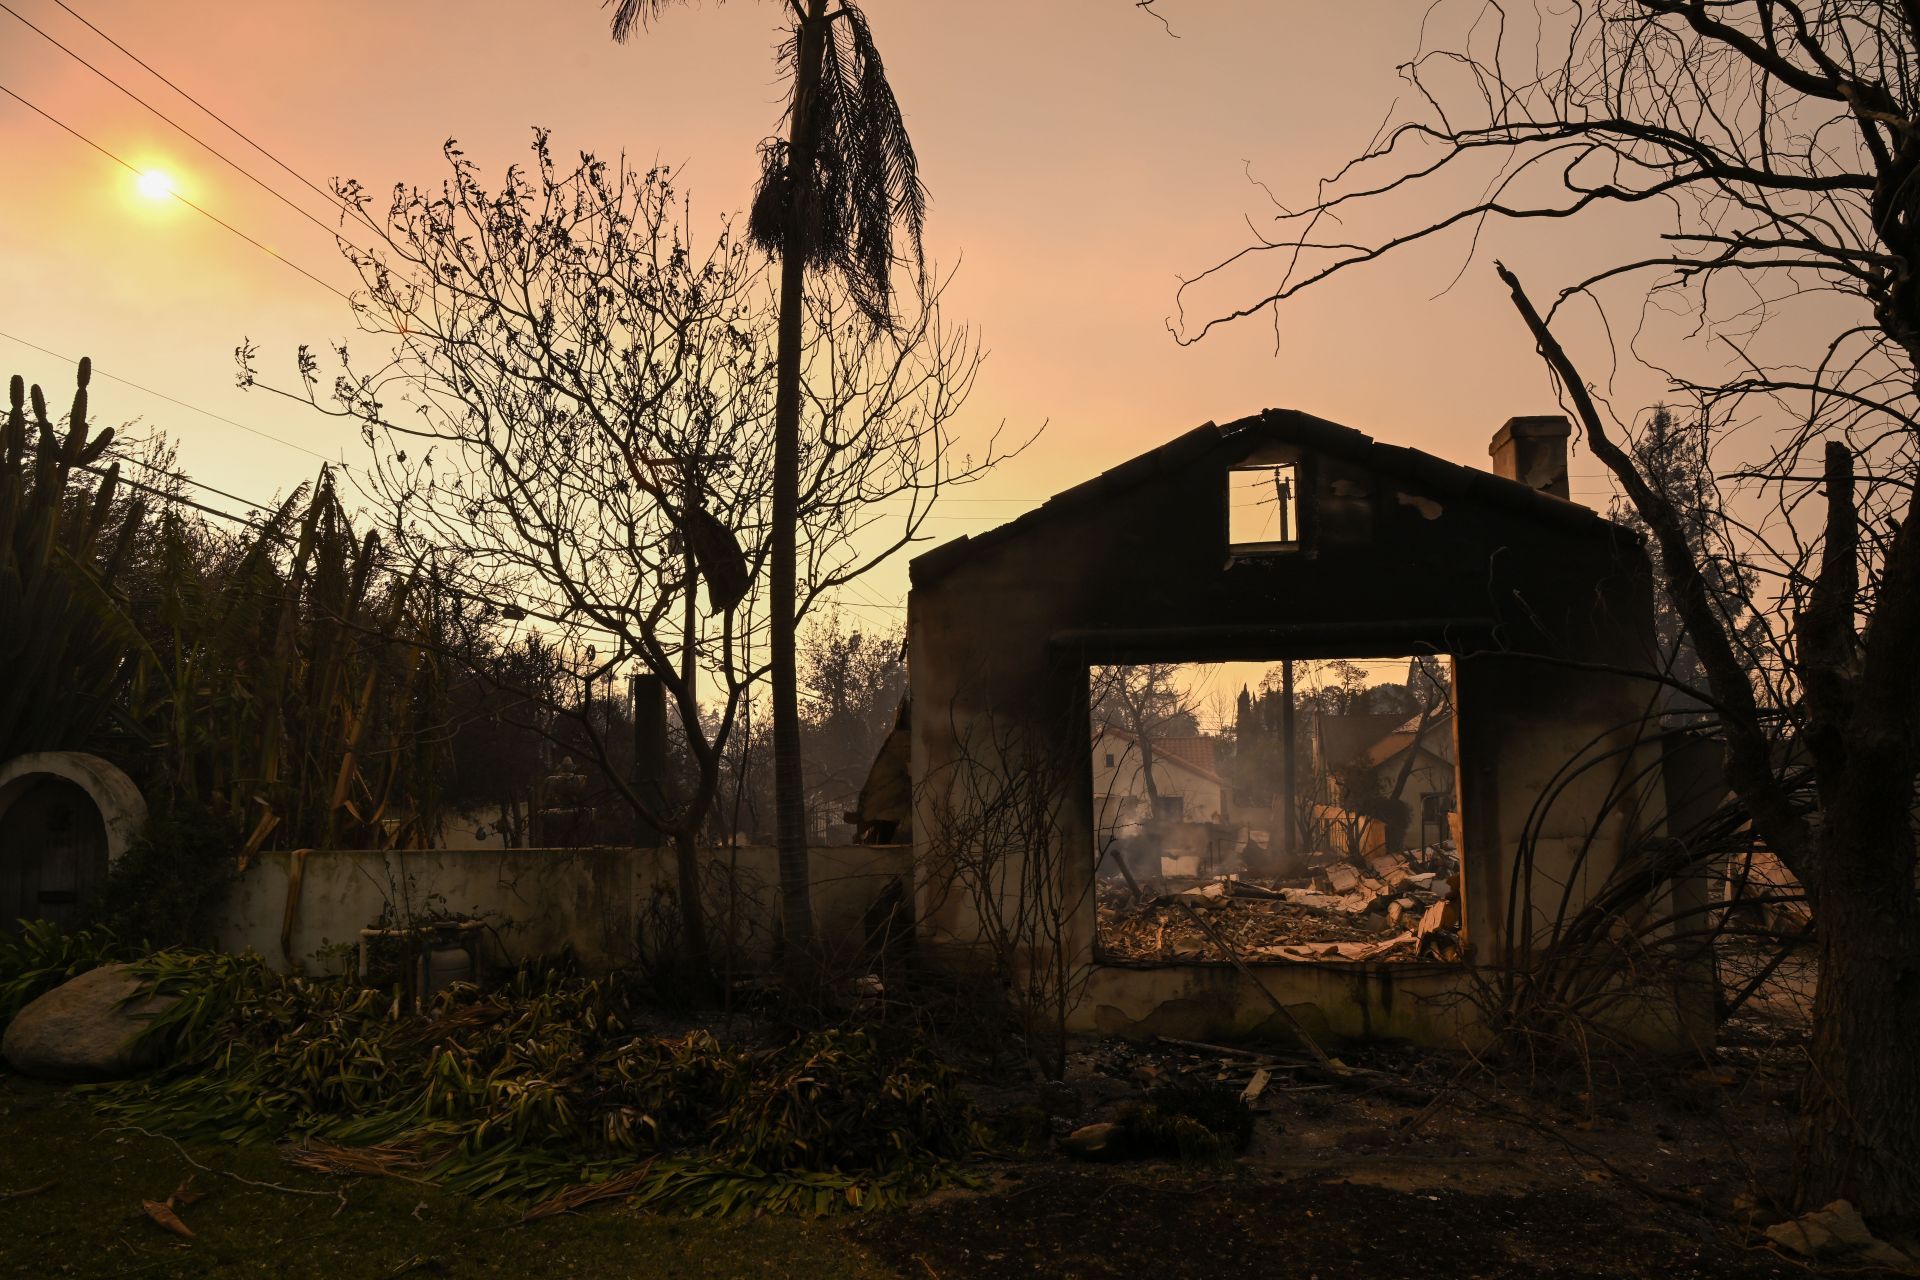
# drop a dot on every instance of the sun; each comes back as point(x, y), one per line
point(155, 185)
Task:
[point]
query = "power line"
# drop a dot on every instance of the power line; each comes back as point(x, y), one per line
point(257, 508)
point(163, 116)
point(210, 216)
point(167, 496)
point(283, 540)
point(224, 123)
point(183, 478)
point(261, 509)
point(161, 395)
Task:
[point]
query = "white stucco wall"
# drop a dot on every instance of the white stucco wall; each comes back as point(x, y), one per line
point(537, 901)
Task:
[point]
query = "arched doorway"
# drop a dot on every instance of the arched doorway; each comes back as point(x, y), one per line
point(53, 853)
point(65, 817)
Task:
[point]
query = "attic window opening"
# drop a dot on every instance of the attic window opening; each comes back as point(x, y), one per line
point(1263, 508)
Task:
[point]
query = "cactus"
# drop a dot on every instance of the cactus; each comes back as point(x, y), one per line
point(65, 645)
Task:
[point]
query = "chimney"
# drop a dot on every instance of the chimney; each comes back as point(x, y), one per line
point(1534, 452)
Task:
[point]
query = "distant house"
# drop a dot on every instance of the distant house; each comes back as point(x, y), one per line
point(1186, 780)
point(1372, 752)
point(1425, 758)
point(1340, 742)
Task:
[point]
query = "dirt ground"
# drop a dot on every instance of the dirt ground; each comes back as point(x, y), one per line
point(1333, 1186)
point(1609, 1179)
point(1437, 1166)
point(1425, 1165)
point(1075, 1222)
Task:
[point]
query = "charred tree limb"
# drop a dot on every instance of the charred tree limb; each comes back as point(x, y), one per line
point(1748, 756)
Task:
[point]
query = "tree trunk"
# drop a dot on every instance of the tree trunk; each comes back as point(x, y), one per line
point(789, 797)
point(693, 915)
point(1861, 1109)
point(1146, 774)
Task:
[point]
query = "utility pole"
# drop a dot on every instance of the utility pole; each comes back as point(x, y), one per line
point(690, 499)
point(1283, 500)
point(1289, 818)
point(586, 691)
point(649, 694)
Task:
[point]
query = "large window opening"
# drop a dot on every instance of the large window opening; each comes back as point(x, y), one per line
point(1302, 810)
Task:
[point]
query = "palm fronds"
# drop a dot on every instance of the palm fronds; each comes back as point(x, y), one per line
point(630, 16)
point(866, 177)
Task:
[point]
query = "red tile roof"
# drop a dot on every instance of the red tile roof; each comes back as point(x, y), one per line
point(1195, 753)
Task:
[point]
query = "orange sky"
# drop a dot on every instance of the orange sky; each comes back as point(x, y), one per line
point(1079, 161)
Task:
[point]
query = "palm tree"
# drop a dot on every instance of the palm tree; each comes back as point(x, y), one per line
point(833, 195)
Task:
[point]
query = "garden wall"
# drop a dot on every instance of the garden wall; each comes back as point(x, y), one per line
point(609, 905)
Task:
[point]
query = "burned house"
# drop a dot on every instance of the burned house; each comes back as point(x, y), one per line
point(1285, 537)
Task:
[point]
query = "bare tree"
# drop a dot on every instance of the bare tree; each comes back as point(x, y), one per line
point(1146, 701)
point(576, 428)
point(1777, 140)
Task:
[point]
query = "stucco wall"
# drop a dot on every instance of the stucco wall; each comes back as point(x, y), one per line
point(597, 900)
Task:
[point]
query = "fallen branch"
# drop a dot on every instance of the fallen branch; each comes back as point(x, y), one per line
point(251, 1182)
point(1373, 1083)
point(1233, 958)
point(1226, 1049)
point(24, 1192)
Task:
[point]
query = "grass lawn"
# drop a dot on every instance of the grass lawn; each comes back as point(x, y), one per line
point(71, 1192)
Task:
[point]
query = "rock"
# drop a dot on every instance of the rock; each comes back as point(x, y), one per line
point(1846, 1224)
point(1802, 1236)
point(1837, 1231)
point(1093, 1141)
point(85, 1029)
point(1882, 1254)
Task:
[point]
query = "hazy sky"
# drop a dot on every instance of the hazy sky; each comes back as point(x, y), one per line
point(1079, 159)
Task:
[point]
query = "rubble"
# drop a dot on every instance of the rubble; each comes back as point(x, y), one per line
point(1392, 907)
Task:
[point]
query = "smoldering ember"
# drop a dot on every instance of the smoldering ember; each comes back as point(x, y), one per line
point(735, 725)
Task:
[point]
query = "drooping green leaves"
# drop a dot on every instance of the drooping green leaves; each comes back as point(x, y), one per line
point(542, 1091)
